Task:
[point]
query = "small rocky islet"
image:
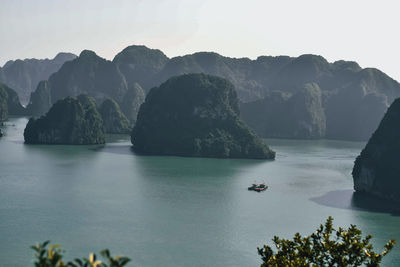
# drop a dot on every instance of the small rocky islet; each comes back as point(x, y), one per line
point(77, 121)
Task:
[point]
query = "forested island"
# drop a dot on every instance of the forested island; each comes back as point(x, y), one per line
point(195, 115)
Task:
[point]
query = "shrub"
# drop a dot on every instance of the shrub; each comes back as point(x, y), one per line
point(52, 255)
point(326, 247)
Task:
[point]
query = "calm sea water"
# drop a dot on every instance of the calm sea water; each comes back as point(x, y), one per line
point(173, 211)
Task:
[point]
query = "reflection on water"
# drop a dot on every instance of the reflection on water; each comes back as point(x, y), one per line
point(348, 199)
point(336, 199)
point(370, 203)
point(121, 149)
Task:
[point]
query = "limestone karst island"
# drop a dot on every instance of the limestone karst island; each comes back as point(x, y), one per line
point(199, 133)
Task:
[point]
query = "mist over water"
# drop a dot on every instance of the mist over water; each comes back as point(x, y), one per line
point(174, 211)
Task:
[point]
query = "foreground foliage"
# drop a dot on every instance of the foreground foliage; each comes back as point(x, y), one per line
point(326, 247)
point(51, 256)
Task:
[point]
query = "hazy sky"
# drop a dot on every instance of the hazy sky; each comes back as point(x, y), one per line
point(361, 30)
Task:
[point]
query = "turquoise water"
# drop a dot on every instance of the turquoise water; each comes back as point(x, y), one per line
point(173, 211)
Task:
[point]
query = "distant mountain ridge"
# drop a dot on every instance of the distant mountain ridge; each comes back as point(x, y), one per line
point(345, 101)
point(92, 75)
point(24, 75)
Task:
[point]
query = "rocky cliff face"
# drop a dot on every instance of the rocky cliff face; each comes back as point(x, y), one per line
point(133, 98)
point(286, 115)
point(3, 104)
point(24, 75)
point(377, 169)
point(9, 103)
point(195, 115)
point(114, 120)
point(14, 106)
point(354, 111)
point(308, 114)
point(40, 101)
point(73, 121)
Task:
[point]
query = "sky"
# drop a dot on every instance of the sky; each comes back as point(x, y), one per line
point(359, 30)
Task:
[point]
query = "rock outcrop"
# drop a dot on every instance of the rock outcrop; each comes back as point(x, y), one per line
point(73, 121)
point(377, 169)
point(114, 120)
point(14, 106)
point(195, 115)
point(133, 98)
point(40, 101)
point(9, 103)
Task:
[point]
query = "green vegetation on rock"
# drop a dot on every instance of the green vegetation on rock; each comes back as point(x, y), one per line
point(74, 121)
point(195, 115)
point(377, 169)
point(114, 120)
